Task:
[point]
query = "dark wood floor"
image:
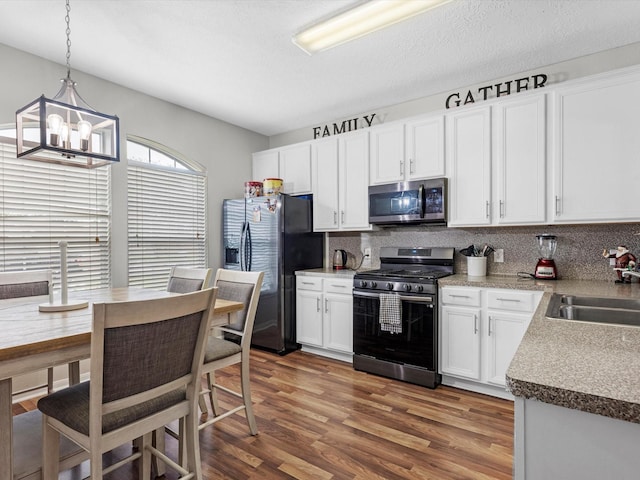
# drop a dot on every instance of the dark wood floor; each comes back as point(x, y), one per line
point(320, 419)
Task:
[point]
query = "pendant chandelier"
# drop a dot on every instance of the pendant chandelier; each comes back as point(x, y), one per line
point(65, 129)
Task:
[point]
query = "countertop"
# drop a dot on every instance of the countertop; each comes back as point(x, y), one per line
point(585, 366)
point(323, 272)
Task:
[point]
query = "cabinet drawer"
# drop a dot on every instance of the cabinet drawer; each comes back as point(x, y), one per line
point(307, 282)
point(338, 286)
point(461, 296)
point(512, 300)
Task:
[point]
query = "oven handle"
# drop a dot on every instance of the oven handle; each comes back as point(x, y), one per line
point(428, 299)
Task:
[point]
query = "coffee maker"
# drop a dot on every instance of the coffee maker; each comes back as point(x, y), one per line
point(546, 267)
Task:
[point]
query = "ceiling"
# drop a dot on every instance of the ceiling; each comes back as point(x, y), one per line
point(234, 59)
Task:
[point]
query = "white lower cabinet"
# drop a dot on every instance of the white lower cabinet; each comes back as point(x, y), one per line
point(324, 315)
point(480, 332)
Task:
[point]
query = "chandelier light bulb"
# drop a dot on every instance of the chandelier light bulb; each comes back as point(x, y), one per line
point(64, 135)
point(54, 121)
point(84, 130)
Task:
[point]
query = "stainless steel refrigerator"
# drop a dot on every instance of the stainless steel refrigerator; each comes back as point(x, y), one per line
point(273, 235)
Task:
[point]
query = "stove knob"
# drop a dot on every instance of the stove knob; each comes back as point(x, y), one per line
point(389, 286)
point(420, 288)
point(407, 287)
point(363, 284)
point(374, 284)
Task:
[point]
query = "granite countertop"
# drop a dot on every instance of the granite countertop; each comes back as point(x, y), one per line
point(323, 272)
point(585, 366)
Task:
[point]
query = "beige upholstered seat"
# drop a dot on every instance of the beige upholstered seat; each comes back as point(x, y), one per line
point(235, 346)
point(146, 362)
point(188, 279)
point(28, 284)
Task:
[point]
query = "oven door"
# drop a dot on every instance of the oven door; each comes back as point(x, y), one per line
point(416, 343)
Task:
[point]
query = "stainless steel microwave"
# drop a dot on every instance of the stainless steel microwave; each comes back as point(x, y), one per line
point(420, 201)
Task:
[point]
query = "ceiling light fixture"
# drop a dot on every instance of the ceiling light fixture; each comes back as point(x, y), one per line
point(361, 20)
point(65, 129)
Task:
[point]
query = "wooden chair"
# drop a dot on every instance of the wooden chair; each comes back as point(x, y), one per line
point(28, 284)
point(146, 363)
point(188, 279)
point(235, 346)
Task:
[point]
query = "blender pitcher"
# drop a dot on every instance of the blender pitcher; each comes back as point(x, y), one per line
point(546, 267)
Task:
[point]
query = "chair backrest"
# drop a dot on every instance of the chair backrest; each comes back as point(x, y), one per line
point(148, 350)
point(25, 284)
point(241, 287)
point(188, 279)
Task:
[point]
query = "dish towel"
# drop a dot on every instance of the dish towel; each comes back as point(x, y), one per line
point(390, 313)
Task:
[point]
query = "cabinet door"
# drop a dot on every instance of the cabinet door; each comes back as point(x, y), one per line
point(597, 171)
point(338, 322)
point(469, 167)
point(386, 161)
point(325, 184)
point(521, 161)
point(354, 182)
point(460, 347)
point(309, 317)
point(265, 165)
point(505, 331)
point(295, 168)
point(424, 148)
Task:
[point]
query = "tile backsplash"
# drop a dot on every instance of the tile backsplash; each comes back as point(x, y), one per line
point(578, 256)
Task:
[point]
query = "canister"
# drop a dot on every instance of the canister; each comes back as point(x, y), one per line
point(272, 186)
point(252, 189)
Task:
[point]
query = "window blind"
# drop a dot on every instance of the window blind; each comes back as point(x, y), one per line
point(42, 204)
point(166, 222)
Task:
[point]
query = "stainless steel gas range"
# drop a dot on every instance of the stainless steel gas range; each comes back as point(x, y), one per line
point(395, 314)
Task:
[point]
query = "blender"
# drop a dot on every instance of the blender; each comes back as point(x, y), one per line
point(546, 267)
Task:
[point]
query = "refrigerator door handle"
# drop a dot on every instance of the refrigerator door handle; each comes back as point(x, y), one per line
point(243, 240)
point(248, 247)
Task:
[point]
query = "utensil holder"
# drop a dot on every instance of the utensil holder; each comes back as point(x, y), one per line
point(477, 266)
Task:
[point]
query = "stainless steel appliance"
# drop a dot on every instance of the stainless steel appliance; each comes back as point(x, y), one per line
point(395, 314)
point(274, 235)
point(339, 260)
point(422, 201)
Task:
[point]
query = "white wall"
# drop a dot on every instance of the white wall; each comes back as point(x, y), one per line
point(557, 73)
point(224, 149)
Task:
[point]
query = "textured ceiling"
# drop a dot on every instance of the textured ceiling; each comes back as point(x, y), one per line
point(234, 59)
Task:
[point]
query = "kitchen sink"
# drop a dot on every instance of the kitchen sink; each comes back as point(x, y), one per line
point(616, 311)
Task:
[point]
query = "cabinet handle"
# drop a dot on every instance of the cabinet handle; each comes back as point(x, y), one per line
point(326, 305)
point(557, 205)
point(475, 324)
point(488, 209)
point(508, 300)
point(307, 283)
point(317, 304)
point(342, 215)
point(335, 217)
point(489, 326)
point(459, 296)
point(501, 209)
point(401, 167)
point(411, 165)
point(338, 286)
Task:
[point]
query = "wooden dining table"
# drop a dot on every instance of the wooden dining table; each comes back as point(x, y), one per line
point(31, 340)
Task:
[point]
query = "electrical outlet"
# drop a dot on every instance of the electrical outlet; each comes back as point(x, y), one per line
point(498, 255)
point(366, 261)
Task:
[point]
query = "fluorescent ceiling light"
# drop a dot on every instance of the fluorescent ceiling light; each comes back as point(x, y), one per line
point(359, 21)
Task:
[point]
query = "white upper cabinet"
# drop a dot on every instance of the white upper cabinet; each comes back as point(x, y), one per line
point(292, 164)
point(340, 189)
point(520, 160)
point(469, 166)
point(295, 168)
point(597, 150)
point(424, 147)
point(406, 151)
point(387, 164)
point(266, 165)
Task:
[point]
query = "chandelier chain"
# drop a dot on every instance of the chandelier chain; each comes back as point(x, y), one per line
point(68, 31)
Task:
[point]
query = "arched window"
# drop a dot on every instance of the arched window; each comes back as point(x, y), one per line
point(42, 204)
point(166, 213)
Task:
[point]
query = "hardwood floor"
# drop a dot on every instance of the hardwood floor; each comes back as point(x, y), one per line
point(320, 419)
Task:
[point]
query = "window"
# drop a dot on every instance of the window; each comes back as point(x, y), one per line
point(167, 212)
point(42, 204)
